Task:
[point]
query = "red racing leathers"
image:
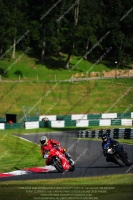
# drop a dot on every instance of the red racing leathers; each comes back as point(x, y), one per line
point(47, 147)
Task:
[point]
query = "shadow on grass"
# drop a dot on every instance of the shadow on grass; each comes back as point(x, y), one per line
point(58, 62)
point(52, 63)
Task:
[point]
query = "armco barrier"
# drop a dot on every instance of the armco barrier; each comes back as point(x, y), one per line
point(2, 119)
point(66, 123)
point(75, 120)
point(111, 116)
point(97, 116)
point(14, 126)
point(49, 117)
point(2, 126)
point(120, 133)
point(45, 124)
point(11, 126)
point(31, 118)
point(31, 125)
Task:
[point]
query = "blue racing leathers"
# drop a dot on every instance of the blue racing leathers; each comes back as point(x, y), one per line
point(108, 143)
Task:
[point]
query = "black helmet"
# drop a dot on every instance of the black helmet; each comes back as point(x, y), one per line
point(43, 140)
point(104, 136)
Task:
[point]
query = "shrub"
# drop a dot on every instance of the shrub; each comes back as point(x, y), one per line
point(3, 72)
point(19, 72)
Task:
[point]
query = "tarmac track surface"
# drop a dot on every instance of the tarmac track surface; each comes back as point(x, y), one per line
point(87, 154)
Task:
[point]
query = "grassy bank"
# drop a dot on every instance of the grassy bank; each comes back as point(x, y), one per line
point(17, 153)
point(52, 68)
point(99, 96)
point(105, 187)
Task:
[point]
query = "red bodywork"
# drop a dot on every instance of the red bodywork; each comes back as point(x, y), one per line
point(56, 153)
point(50, 144)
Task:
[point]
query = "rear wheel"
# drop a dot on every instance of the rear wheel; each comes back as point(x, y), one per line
point(119, 160)
point(127, 162)
point(57, 164)
point(125, 158)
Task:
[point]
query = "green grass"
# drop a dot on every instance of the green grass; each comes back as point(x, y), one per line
point(105, 187)
point(103, 96)
point(17, 153)
point(52, 67)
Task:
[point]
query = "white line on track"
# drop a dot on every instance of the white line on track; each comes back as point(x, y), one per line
point(23, 139)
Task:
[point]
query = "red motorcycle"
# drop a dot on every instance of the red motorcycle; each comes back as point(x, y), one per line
point(60, 161)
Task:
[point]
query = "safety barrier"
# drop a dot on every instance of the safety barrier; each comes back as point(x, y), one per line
point(14, 126)
point(88, 116)
point(120, 133)
point(75, 120)
point(86, 123)
point(31, 118)
point(67, 123)
point(2, 126)
point(2, 119)
point(31, 125)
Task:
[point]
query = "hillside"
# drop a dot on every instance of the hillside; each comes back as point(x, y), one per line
point(51, 69)
point(29, 68)
point(99, 96)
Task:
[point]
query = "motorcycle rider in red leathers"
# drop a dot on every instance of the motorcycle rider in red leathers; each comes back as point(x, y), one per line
point(47, 145)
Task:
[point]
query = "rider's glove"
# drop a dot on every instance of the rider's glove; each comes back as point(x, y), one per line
point(45, 156)
point(115, 144)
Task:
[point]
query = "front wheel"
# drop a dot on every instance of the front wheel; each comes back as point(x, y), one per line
point(119, 160)
point(57, 164)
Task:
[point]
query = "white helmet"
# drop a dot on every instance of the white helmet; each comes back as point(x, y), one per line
point(43, 140)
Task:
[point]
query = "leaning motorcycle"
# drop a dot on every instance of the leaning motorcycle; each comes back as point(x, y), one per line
point(60, 161)
point(118, 155)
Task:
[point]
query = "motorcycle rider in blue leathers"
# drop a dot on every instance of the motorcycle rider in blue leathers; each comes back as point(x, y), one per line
point(109, 142)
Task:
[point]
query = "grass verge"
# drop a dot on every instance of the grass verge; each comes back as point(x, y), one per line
point(94, 188)
point(97, 96)
point(17, 153)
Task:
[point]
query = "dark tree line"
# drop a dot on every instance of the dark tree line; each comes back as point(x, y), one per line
point(72, 27)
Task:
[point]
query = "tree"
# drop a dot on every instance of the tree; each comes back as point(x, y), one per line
point(72, 44)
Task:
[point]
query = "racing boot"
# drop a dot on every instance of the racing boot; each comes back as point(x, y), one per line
point(69, 158)
point(67, 155)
